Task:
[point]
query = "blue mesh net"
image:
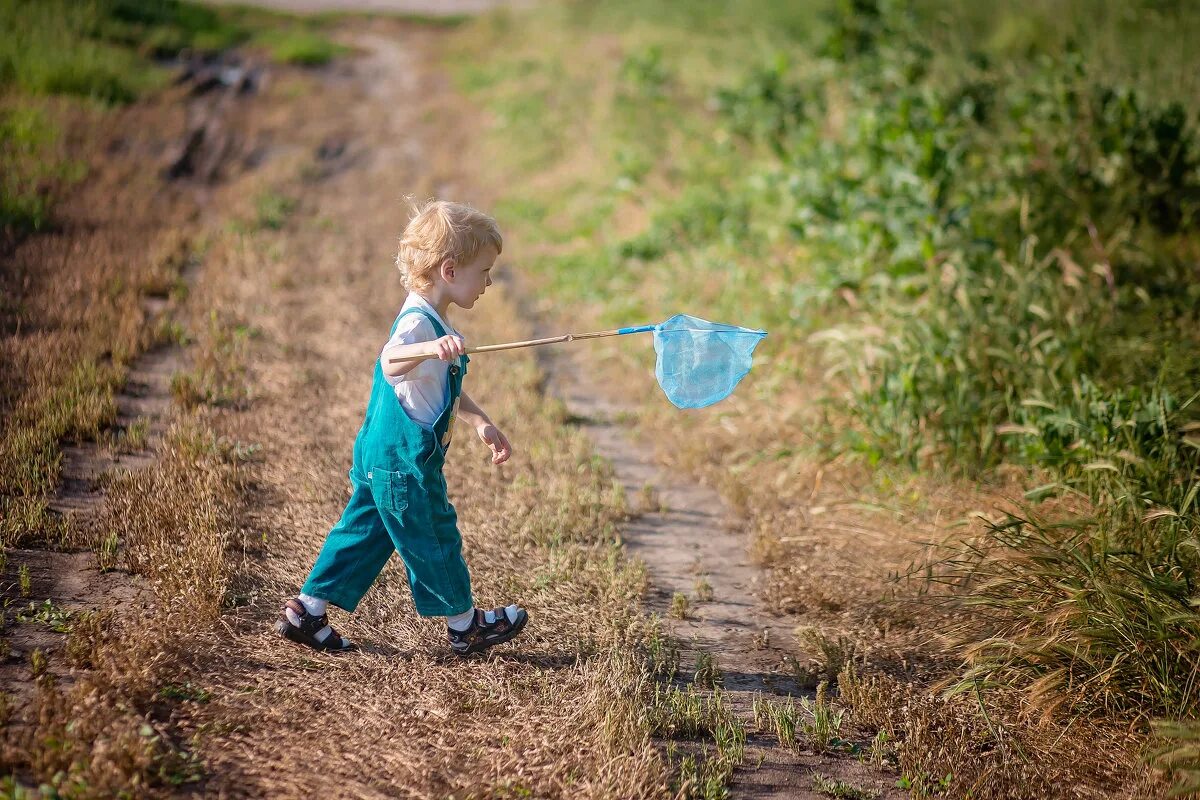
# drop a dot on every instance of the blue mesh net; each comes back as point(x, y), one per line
point(701, 362)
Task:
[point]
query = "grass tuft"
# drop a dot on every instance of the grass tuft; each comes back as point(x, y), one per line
point(842, 790)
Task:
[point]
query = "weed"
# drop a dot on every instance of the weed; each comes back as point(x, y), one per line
point(836, 652)
point(1178, 751)
point(882, 751)
point(33, 171)
point(301, 47)
point(648, 500)
point(707, 673)
point(687, 713)
point(982, 219)
point(48, 614)
point(924, 785)
point(1122, 629)
point(79, 407)
point(807, 675)
point(38, 662)
point(662, 652)
point(86, 636)
point(824, 723)
point(273, 210)
point(679, 606)
point(134, 436)
point(706, 776)
point(185, 691)
point(106, 552)
point(704, 590)
point(219, 375)
point(841, 789)
point(23, 580)
point(169, 331)
point(146, 510)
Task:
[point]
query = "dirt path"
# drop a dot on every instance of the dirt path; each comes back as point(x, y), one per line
point(688, 539)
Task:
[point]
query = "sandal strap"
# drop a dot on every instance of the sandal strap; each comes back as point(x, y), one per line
point(309, 624)
point(333, 641)
point(501, 625)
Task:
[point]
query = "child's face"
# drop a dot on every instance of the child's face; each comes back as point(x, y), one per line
point(472, 279)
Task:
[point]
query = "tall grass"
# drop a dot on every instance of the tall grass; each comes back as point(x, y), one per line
point(1086, 614)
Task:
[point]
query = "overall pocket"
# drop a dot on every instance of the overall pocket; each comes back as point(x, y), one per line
point(390, 490)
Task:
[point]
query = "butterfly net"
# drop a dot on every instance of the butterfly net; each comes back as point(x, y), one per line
point(701, 362)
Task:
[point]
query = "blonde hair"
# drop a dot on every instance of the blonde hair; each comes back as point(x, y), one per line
point(439, 230)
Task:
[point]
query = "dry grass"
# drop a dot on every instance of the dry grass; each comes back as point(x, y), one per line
point(93, 727)
point(176, 521)
point(993, 746)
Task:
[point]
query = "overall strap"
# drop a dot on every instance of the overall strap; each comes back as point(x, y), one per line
point(438, 329)
point(454, 379)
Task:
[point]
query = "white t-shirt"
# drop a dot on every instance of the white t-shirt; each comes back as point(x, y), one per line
point(422, 390)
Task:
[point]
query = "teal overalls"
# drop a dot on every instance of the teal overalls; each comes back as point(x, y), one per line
point(398, 503)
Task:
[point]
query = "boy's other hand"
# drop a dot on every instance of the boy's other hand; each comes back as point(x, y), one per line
point(449, 347)
point(497, 441)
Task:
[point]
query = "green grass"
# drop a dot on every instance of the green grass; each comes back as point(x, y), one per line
point(301, 47)
point(46, 614)
point(30, 167)
point(686, 714)
point(273, 210)
point(932, 244)
point(842, 790)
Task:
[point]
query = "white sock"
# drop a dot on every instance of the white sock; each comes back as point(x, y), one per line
point(510, 612)
point(314, 606)
point(460, 622)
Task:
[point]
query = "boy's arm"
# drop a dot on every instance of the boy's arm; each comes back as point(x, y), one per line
point(447, 348)
point(470, 412)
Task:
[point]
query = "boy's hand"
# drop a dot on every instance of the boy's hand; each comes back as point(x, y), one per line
point(495, 440)
point(449, 347)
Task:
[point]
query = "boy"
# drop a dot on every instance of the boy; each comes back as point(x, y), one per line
point(399, 494)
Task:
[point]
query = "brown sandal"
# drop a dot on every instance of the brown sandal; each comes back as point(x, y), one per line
point(483, 634)
point(305, 633)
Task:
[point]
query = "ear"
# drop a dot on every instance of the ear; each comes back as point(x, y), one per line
point(446, 269)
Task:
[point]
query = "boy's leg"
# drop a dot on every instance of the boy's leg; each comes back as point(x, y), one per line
point(424, 529)
point(354, 552)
